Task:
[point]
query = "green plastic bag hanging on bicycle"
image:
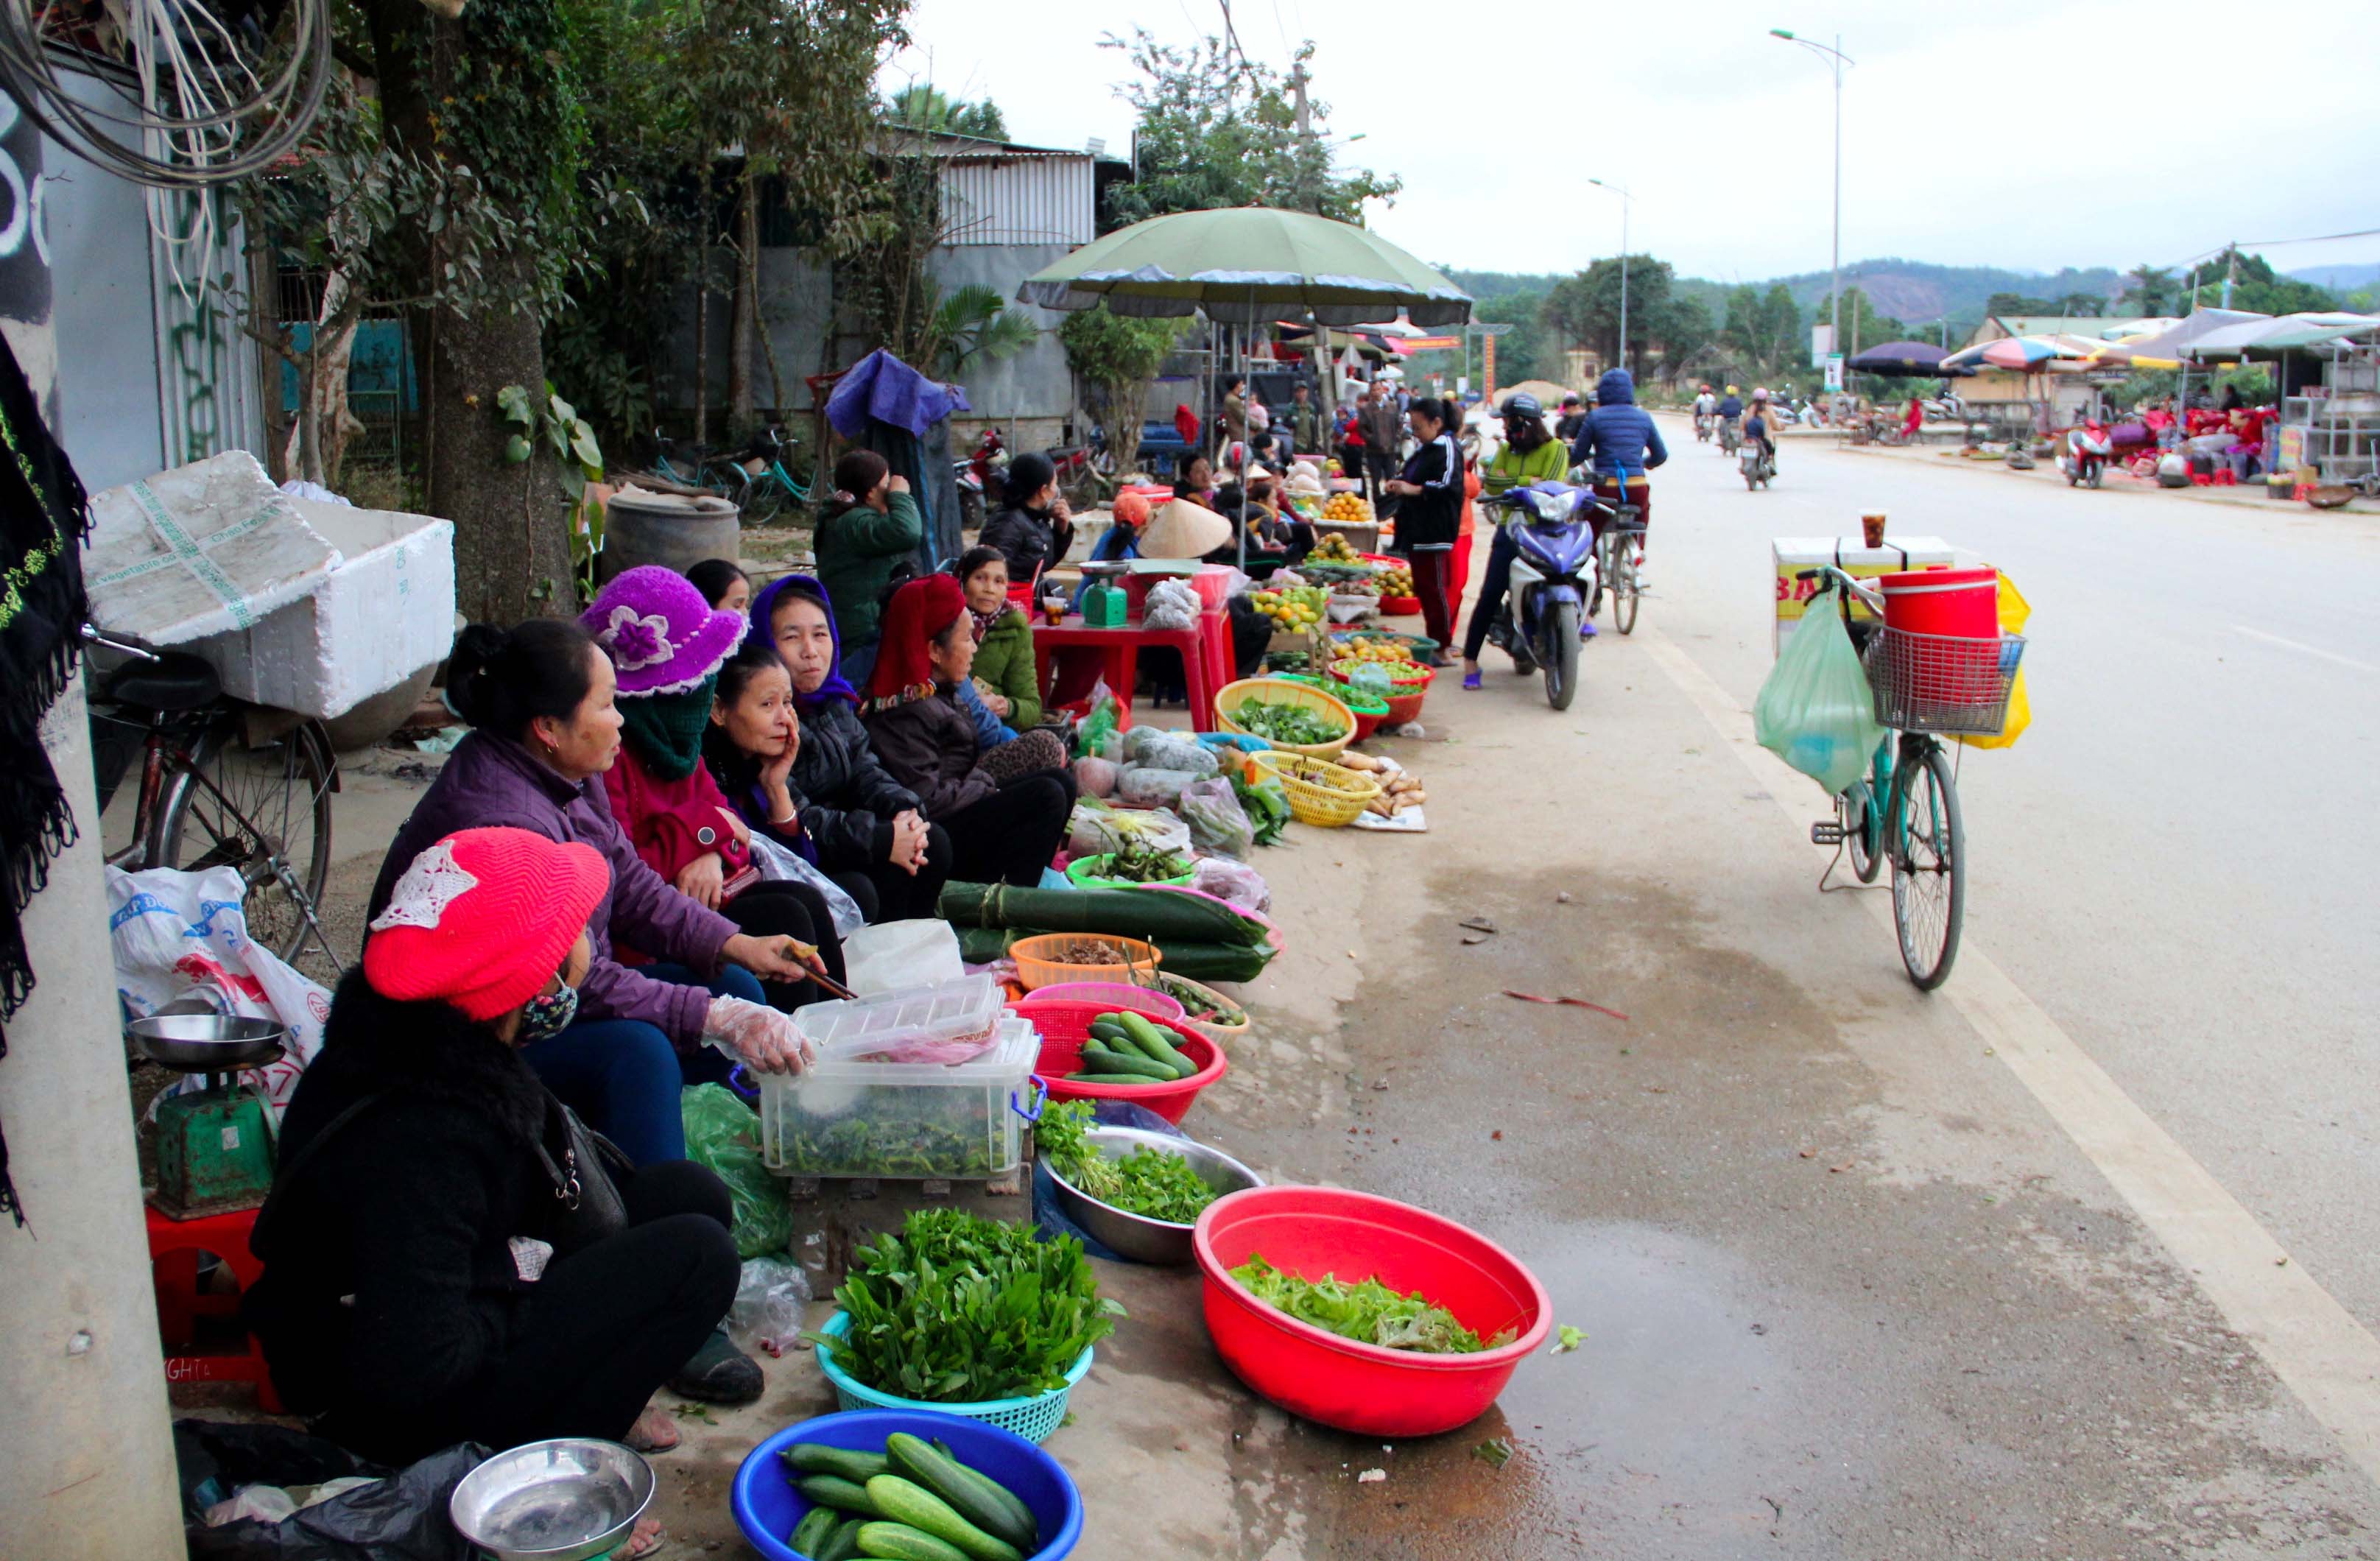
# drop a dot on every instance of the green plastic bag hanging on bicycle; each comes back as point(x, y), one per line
point(1815, 711)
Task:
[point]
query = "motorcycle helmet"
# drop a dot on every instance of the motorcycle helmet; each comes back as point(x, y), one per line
point(1571, 400)
point(1731, 389)
point(1760, 392)
point(1521, 403)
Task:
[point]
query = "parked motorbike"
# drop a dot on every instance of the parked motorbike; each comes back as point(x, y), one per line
point(1756, 465)
point(2088, 450)
point(1538, 626)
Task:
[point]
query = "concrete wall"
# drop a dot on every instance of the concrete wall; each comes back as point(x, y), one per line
point(86, 1450)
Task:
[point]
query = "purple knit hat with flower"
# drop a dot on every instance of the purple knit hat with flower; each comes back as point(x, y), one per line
point(662, 636)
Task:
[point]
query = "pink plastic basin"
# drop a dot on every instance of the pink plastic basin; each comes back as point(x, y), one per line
point(1364, 1389)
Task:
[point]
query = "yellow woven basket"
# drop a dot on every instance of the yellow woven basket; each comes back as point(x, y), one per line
point(1321, 792)
point(1279, 691)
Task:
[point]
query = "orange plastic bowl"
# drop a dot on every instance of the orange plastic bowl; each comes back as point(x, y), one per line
point(1364, 1388)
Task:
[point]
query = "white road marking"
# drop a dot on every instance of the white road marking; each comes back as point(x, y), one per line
point(2305, 650)
point(2325, 1356)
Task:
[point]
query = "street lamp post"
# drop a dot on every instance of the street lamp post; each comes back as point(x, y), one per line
point(1626, 200)
point(1836, 59)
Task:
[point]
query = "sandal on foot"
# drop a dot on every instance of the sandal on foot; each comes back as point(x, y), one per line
point(719, 1373)
point(1471, 682)
point(655, 1430)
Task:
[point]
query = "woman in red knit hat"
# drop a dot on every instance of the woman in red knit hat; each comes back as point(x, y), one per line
point(1000, 831)
point(442, 1264)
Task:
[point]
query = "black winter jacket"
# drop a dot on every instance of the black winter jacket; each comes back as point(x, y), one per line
point(931, 745)
point(409, 1210)
point(1033, 542)
point(845, 797)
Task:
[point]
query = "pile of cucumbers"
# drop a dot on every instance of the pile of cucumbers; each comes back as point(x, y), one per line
point(1126, 1049)
point(914, 1501)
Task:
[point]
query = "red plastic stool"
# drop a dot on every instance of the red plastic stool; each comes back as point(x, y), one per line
point(175, 1246)
point(2226, 478)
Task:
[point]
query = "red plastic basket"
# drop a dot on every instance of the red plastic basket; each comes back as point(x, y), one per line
point(1400, 606)
point(1065, 1025)
point(1364, 1387)
point(1403, 706)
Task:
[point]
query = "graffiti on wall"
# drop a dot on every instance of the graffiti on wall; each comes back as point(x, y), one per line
point(200, 363)
point(24, 238)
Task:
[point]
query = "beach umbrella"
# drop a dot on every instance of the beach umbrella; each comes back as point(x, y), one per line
point(2287, 333)
point(1901, 360)
point(1246, 265)
point(2164, 349)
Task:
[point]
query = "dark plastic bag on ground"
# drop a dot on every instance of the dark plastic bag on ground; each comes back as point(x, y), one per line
point(401, 1519)
point(723, 1135)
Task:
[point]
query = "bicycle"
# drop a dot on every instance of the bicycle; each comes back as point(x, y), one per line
point(222, 783)
point(1615, 567)
point(756, 480)
point(1906, 810)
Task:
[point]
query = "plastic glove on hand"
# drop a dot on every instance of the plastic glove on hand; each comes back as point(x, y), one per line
point(764, 1039)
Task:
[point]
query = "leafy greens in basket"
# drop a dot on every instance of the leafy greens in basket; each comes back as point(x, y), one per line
point(1370, 1312)
point(958, 1309)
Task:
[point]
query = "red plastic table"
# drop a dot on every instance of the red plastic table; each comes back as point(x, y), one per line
point(1206, 658)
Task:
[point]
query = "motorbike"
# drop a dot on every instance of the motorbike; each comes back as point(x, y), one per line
point(1731, 435)
point(2088, 450)
point(1758, 469)
point(1703, 421)
point(1538, 626)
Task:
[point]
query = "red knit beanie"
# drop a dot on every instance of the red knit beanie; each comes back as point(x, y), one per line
point(917, 612)
point(483, 919)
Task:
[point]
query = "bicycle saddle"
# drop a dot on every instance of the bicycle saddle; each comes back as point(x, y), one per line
point(175, 682)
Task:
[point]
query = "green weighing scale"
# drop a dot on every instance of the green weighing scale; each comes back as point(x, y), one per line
point(214, 1145)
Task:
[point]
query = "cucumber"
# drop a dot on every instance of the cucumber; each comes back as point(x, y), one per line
point(1155, 1042)
point(843, 1463)
point(1105, 1029)
point(833, 1490)
point(845, 1545)
point(812, 1533)
point(898, 1541)
point(1007, 1516)
point(1113, 1078)
point(1120, 1062)
point(904, 1501)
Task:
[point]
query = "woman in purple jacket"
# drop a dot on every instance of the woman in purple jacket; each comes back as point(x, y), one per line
point(538, 697)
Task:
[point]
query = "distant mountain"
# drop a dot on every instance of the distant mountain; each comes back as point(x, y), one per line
point(1913, 292)
point(1487, 286)
point(2338, 278)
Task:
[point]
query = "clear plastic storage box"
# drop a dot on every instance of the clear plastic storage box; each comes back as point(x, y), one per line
point(954, 1010)
point(852, 1117)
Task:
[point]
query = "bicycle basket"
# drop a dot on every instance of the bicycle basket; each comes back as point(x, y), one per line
point(1942, 683)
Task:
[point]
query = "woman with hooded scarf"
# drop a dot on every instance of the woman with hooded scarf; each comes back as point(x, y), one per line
point(999, 831)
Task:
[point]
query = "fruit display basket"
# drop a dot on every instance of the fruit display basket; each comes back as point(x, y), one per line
point(1327, 795)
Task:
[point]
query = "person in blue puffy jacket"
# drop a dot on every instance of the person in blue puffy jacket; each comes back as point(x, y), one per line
point(1621, 446)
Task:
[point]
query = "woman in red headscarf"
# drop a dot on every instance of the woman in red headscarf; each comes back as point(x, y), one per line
point(1000, 831)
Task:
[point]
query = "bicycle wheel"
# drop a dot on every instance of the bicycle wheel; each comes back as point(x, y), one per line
point(1929, 870)
point(263, 811)
point(764, 498)
point(1855, 810)
point(1623, 590)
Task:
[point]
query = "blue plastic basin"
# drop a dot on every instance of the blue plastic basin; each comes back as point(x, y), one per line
point(768, 1508)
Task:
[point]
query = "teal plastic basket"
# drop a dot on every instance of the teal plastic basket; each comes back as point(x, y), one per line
point(1032, 1419)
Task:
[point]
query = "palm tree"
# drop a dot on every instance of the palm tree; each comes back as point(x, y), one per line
point(922, 105)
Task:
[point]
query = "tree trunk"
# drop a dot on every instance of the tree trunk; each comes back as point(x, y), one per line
point(703, 349)
point(1121, 417)
point(743, 309)
point(318, 445)
point(512, 538)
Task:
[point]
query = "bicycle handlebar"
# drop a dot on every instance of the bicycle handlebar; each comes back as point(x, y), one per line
point(1835, 576)
point(93, 636)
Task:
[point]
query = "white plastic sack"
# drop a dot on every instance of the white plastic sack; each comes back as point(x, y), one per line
point(1173, 605)
point(892, 955)
point(173, 933)
point(775, 861)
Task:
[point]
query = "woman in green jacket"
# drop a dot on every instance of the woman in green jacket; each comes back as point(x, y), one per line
point(1529, 454)
point(865, 533)
point(1004, 672)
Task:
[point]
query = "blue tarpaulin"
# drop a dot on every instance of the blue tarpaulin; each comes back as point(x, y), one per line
point(882, 387)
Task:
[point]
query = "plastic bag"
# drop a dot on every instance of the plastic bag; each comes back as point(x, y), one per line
point(1156, 748)
point(1218, 822)
point(1097, 830)
point(174, 934)
point(1235, 881)
point(1265, 802)
point(1815, 711)
point(775, 861)
point(1171, 605)
point(770, 1295)
point(400, 1514)
point(1145, 783)
point(892, 956)
point(2014, 611)
point(723, 1135)
point(1097, 735)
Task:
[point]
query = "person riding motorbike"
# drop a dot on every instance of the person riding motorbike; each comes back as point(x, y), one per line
point(1572, 418)
point(1706, 408)
point(1730, 410)
point(1760, 426)
point(1528, 455)
point(1622, 444)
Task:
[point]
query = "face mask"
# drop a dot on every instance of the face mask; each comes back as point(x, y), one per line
point(549, 1015)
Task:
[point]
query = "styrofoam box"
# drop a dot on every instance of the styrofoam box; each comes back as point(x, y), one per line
point(903, 1119)
point(204, 548)
point(385, 611)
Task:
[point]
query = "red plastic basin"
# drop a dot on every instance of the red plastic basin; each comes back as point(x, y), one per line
point(1064, 1026)
point(1364, 1389)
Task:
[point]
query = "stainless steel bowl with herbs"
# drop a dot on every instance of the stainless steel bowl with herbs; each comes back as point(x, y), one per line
point(1135, 1193)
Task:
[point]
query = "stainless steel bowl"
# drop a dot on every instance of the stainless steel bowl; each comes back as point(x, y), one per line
point(1136, 1236)
point(207, 1042)
point(565, 1500)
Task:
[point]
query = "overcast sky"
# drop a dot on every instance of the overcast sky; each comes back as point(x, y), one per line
point(2036, 137)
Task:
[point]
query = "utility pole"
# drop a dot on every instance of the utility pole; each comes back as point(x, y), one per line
point(2230, 273)
point(1836, 59)
point(1309, 183)
point(1626, 200)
